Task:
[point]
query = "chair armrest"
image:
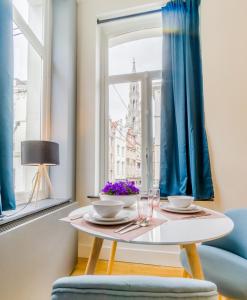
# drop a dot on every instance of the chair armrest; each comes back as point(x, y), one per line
point(234, 242)
point(134, 287)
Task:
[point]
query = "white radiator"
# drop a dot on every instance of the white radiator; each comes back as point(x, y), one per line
point(34, 253)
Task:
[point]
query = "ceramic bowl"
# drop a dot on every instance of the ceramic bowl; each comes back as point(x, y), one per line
point(128, 200)
point(107, 208)
point(180, 201)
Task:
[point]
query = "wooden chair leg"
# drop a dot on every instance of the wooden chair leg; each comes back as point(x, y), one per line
point(94, 255)
point(112, 258)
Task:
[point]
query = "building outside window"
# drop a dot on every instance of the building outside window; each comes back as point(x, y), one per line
point(118, 168)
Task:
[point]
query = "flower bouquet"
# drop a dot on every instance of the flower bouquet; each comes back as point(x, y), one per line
point(124, 191)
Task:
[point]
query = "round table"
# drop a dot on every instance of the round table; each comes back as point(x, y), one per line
point(186, 233)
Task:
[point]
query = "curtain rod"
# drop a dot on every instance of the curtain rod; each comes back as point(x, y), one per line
point(101, 21)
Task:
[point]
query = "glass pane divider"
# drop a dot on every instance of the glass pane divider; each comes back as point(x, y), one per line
point(28, 33)
point(149, 133)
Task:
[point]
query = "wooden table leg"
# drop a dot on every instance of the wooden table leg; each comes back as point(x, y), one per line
point(194, 261)
point(223, 298)
point(94, 255)
point(112, 258)
point(186, 274)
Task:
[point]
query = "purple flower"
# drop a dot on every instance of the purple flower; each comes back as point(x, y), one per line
point(120, 188)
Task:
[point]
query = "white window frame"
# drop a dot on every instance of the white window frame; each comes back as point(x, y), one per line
point(145, 78)
point(132, 29)
point(44, 51)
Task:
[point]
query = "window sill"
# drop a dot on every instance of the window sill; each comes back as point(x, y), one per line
point(92, 197)
point(31, 209)
point(98, 197)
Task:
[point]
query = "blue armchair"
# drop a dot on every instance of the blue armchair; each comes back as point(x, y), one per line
point(92, 287)
point(224, 261)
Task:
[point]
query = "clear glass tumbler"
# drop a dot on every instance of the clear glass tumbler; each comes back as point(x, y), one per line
point(145, 206)
point(155, 193)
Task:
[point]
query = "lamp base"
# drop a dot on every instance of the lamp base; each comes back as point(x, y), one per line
point(41, 173)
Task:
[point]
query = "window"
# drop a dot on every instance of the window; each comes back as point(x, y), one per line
point(31, 94)
point(133, 103)
point(32, 13)
point(125, 129)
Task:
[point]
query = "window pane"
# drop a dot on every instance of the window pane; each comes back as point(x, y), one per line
point(156, 97)
point(125, 132)
point(32, 12)
point(147, 53)
point(27, 105)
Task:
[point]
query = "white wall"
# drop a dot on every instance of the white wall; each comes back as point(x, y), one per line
point(36, 253)
point(224, 47)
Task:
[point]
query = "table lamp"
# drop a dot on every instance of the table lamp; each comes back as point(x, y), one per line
point(41, 154)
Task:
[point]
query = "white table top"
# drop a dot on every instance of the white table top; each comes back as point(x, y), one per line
point(173, 232)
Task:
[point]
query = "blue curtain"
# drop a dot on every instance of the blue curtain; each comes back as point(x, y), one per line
point(7, 200)
point(185, 165)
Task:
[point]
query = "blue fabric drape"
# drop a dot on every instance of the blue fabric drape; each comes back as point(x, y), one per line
point(185, 165)
point(7, 200)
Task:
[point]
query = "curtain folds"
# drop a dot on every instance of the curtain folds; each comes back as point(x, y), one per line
point(7, 199)
point(185, 164)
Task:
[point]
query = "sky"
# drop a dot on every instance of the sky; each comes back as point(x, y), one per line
point(147, 54)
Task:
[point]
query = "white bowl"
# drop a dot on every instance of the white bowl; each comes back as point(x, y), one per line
point(180, 201)
point(107, 209)
point(128, 200)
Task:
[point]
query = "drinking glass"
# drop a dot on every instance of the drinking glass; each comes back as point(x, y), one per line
point(145, 206)
point(155, 193)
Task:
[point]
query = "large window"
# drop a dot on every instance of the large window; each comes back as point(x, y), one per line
point(31, 94)
point(133, 107)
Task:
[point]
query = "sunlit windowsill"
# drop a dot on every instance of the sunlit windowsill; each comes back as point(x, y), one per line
point(93, 197)
point(98, 197)
point(32, 208)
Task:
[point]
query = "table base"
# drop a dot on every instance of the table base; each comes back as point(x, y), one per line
point(191, 251)
point(193, 260)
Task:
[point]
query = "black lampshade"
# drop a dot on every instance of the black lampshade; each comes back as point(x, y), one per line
point(39, 152)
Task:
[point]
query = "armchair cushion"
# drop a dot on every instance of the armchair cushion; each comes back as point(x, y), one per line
point(227, 270)
point(132, 287)
point(236, 241)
